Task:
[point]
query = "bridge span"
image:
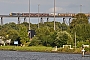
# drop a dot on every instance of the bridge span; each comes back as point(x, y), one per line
point(40, 15)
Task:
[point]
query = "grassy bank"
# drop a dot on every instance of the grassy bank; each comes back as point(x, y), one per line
point(32, 48)
point(42, 49)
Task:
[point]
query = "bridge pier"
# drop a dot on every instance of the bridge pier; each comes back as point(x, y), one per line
point(41, 21)
point(88, 18)
point(18, 20)
point(24, 19)
point(1, 21)
point(48, 19)
point(64, 20)
point(69, 20)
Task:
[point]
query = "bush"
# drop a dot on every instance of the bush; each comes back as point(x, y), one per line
point(77, 50)
point(87, 49)
point(66, 50)
point(34, 43)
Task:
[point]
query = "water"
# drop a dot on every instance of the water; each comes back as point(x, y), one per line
point(15, 55)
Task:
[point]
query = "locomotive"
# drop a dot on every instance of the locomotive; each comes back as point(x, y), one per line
point(15, 14)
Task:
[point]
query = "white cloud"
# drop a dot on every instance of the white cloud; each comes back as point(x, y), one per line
point(57, 9)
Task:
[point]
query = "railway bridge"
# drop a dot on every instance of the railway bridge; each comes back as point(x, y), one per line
point(40, 15)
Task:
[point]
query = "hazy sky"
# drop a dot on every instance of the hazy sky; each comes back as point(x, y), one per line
point(46, 6)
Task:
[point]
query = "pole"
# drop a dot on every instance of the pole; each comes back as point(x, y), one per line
point(38, 16)
point(54, 14)
point(75, 40)
point(29, 14)
point(29, 20)
point(80, 8)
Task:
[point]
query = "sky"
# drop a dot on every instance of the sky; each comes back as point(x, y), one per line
point(46, 6)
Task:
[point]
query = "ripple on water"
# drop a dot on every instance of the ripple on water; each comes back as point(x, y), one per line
point(14, 55)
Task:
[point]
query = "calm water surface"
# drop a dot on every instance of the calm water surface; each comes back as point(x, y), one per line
point(15, 55)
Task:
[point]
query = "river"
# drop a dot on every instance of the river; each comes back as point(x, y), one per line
point(16, 55)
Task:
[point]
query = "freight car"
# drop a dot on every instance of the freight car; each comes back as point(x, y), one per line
point(36, 14)
point(66, 14)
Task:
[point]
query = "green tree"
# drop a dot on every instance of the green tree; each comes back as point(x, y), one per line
point(64, 27)
point(13, 25)
point(23, 33)
point(13, 35)
point(44, 36)
point(35, 41)
point(80, 18)
point(63, 38)
point(51, 25)
point(82, 32)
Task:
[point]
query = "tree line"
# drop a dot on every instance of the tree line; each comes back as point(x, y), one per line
point(46, 35)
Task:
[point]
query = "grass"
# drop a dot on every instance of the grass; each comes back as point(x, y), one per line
point(41, 49)
point(31, 48)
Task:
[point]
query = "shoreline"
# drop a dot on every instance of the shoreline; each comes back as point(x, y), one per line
point(42, 49)
point(47, 51)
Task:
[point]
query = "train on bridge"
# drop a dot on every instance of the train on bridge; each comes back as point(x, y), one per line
point(31, 14)
point(46, 14)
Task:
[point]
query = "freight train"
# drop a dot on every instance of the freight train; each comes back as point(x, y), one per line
point(31, 14)
point(46, 14)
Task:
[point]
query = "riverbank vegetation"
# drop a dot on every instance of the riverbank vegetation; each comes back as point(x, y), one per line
point(31, 48)
point(46, 36)
point(43, 49)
